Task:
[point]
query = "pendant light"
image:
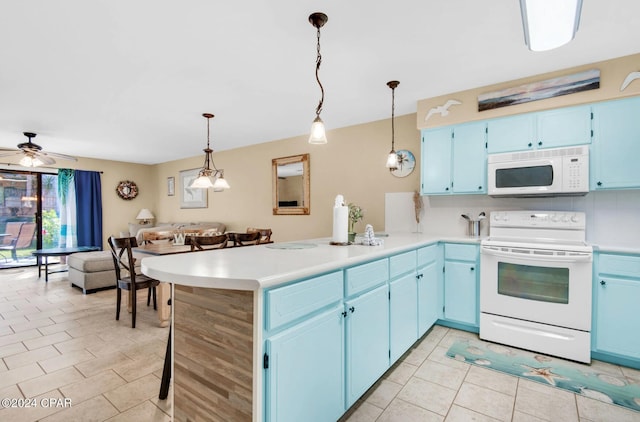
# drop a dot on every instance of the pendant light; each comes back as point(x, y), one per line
point(318, 134)
point(392, 158)
point(204, 179)
point(549, 24)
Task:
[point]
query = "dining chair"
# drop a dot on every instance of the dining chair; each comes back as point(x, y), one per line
point(213, 242)
point(265, 234)
point(126, 277)
point(246, 239)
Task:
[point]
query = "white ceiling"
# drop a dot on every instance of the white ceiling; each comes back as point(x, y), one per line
point(129, 80)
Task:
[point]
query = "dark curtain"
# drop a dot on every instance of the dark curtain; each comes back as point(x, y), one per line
point(88, 208)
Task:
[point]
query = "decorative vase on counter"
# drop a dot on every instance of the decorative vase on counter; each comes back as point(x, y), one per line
point(352, 237)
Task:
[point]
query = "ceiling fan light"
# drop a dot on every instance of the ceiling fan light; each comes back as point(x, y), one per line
point(549, 24)
point(318, 133)
point(28, 161)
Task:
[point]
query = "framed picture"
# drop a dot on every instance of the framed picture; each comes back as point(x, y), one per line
point(191, 197)
point(171, 186)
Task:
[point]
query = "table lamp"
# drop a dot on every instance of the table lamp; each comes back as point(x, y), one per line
point(145, 216)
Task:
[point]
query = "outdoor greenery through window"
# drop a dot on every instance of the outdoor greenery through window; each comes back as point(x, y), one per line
point(23, 197)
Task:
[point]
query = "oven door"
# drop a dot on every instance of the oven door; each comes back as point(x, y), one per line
point(525, 178)
point(541, 285)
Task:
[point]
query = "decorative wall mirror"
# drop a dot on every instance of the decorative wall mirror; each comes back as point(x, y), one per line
point(291, 187)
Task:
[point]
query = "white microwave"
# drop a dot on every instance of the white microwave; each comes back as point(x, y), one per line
point(543, 172)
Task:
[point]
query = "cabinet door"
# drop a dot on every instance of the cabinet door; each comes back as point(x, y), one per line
point(436, 161)
point(469, 158)
point(616, 144)
point(460, 292)
point(367, 333)
point(403, 305)
point(563, 127)
point(305, 377)
point(513, 133)
point(429, 297)
point(617, 322)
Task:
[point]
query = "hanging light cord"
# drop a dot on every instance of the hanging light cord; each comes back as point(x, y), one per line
point(318, 62)
point(393, 107)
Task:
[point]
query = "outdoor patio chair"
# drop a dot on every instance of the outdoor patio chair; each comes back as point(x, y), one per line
point(24, 239)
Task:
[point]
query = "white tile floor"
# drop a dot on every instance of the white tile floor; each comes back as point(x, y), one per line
point(426, 385)
point(57, 343)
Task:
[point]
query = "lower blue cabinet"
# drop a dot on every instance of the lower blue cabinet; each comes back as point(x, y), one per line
point(367, 341)
point(305, 380)
point(461, 283)
point(403, 305)
point(429, 296)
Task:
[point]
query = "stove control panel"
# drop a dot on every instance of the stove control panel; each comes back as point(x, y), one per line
point(567, 220)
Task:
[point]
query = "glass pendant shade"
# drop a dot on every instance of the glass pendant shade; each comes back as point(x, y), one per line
point(549, 24)
point(392, 160)
point(318, 134)
point(202, 182)
point(221, 183)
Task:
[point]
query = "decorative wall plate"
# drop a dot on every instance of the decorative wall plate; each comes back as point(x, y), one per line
point(127, 190)
point(406, 163)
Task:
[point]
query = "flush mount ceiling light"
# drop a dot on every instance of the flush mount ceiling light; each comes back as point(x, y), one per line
point(392, 158)
point(208, 177)
point(318, 134)
point(549, 24)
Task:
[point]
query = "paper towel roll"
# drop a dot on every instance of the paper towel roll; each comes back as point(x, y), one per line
point(340, 221)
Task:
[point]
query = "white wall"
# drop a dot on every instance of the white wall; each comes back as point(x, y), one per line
point(613, 217)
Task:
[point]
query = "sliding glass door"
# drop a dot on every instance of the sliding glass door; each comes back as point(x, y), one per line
point(29, 217)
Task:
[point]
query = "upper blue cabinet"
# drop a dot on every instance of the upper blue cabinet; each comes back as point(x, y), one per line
point(616, 145)
point(545, 129)
point(454, 159)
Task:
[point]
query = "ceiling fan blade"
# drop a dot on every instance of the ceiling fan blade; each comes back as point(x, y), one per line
point(56, 155)
point(9, 149)
point(9, 152)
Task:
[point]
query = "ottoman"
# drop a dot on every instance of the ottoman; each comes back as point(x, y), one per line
point(92, 271)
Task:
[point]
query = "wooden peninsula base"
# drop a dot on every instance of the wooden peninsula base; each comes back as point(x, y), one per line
point(213, 354)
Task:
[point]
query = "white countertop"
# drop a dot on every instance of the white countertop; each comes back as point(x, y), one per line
point(255, 267)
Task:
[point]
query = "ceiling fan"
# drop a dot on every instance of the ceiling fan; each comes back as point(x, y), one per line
point(34, 156)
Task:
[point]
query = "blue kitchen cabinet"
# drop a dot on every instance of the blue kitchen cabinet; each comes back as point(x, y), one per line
point(436, 161)
point(305, 370)
point(469, 158)
point(616, 145)
point(461, 269)
point(546, 129)
point(616, 298)
point(512, 133)
point(454, 159)
point(403, 303)
point(367, 341)
point(429, 276)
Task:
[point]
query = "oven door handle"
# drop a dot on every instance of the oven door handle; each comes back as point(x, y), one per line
point(578, 257)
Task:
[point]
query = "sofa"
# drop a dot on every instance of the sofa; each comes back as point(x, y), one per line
point(143, 233)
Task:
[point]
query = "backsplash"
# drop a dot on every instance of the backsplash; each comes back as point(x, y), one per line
point(613, 217)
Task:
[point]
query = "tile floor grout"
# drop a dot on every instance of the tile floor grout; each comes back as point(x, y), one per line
point(112, 372)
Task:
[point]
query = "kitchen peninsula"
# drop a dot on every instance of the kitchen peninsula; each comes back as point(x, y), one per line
point(240, 313)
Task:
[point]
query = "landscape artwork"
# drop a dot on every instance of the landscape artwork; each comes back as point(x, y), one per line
point(562, 85)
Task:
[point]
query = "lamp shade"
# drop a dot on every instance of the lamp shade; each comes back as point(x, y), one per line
point(549, 24)
point(202, 182)
point(318, 134)
point(145, 214)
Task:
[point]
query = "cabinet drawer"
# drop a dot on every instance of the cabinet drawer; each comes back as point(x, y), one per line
point(624, 265)
point(285, 304)
point(460, 252)
point(427, 254)
point(363, 277)
point(402, 264)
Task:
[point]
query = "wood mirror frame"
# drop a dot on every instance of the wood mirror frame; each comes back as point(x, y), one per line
point(296, 201)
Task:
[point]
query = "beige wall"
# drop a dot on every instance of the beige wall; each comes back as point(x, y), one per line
point(612, 73)
point(352, 163)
